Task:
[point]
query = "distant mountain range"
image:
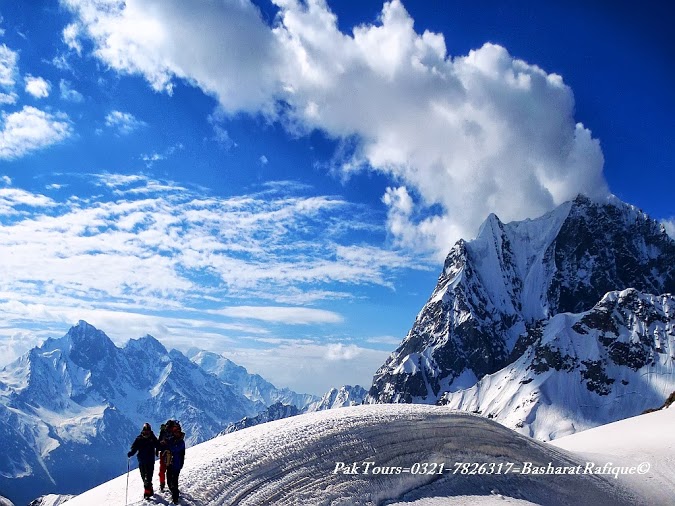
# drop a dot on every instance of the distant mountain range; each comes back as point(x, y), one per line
point(252, 386)
point(550, 326)
point(344, 396)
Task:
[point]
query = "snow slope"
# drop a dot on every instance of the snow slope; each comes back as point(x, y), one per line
point(646, 438)
point(583, 370)
point(292, 461)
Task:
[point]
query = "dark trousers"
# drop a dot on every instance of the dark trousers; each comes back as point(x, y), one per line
point(172, 481)
point(146, 469)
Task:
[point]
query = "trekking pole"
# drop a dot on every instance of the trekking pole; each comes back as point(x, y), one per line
point(126, 492)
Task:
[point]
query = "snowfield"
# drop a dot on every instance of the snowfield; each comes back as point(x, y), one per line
point(292, 461)
point(646, 438)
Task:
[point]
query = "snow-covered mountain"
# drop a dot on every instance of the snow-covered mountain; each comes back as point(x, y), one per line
point(323, 458)
point(496, 294)
point(276, 411)
point(70, 409)
point(252, 386)
point(346, 395)
point(583, 370)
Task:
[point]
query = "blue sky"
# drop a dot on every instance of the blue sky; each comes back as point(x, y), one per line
point(280, 181)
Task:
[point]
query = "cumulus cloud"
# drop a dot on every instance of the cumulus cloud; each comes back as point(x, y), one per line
point(38, 87)
point(31, 129)
point(222, 47)
point(124, 122)
point(461, 135)
point(466, 135)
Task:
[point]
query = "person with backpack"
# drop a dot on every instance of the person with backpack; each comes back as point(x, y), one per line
point(165, 431)
point(175, 443)
point(146, 444)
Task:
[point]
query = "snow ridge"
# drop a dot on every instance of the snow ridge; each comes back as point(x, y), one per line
point(294, 461)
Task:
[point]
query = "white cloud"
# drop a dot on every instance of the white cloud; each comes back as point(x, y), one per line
point(6, 179)
point(8, 98)
point(263, 160)
point(69, 94)
point(11, 198)
point(71, 37)
point(124, 122)
point(8, 66)
point(31, 129)
point(175, 39)
point(156, 242)
point(37, 86)
point(8, 72)
point(222, 137)
point(151, 159)
point(339, 352)
point(281, 314)
point(463, 136)
point(469, 134)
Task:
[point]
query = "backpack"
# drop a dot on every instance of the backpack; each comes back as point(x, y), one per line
point(166, 428)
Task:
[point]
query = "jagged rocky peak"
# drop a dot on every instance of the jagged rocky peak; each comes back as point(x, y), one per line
point(606, 247)
point(146, 344)
point(88, 345)
point(497, 287)
point(346, 395)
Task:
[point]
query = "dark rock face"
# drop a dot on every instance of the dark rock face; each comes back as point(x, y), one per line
point(613, 249)
point(495, 293)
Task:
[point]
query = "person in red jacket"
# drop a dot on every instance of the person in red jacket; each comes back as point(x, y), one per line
point(165, 431)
